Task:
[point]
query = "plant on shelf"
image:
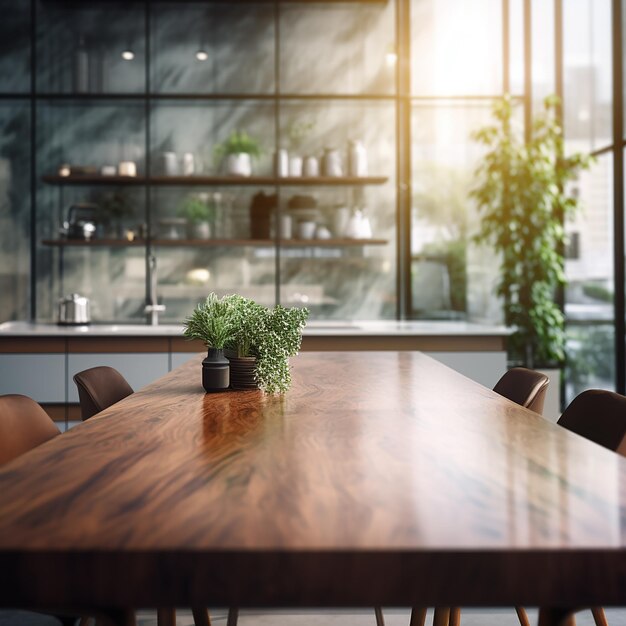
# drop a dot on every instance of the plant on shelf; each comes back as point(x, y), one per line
point(522, 195)
point(237, 152)
point(116, 206)
point(211, 322)
point(200, 213)
point(299, 131)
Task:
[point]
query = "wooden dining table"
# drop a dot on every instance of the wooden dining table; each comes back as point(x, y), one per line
point(380, 478)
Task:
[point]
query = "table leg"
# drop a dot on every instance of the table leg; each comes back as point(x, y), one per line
point(556, 617)
point(455, 616)
point(598, 616)
point(201, 616)
point(233, 616)
point(116, 618)
point(442, 616)
point(166, 617)
point(380, 619)
point(418, 616)
point(523, 616)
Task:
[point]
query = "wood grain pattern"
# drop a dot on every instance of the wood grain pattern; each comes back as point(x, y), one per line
point(379, 479)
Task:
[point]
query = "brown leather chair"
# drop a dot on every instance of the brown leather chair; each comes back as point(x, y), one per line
point(99, 388)
point(599, 416)
point(524, 387)
point(24, 425)
point(528, 389)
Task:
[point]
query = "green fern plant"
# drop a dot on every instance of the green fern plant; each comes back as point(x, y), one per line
point(211, 322)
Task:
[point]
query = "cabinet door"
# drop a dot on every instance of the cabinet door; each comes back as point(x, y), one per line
point(39, 376)
point(179, 358)
point(138, 369)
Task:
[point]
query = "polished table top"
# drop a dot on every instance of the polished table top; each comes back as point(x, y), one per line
point(380, 478)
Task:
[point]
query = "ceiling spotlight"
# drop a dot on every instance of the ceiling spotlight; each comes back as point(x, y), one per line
point(201, 55)
point(128, 55)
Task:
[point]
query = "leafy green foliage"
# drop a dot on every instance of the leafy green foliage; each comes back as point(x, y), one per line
point(211, 322)
point(248, 320)
point(299, 131)
point(238, 142)
point(196, 209)
point(521, 193)
point(271, 335)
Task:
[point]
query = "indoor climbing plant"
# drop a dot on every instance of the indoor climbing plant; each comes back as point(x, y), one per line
point(523, 198)
point(270, 336)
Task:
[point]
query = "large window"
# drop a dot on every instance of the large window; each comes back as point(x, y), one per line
point(456, 73)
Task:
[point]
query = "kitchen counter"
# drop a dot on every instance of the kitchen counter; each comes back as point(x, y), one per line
point(39, 360)
point(313, 329)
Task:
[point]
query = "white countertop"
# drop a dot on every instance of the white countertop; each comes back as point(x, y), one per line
point(325, 328)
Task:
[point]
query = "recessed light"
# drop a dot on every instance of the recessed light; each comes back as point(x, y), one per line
point(201, 55)
point(128, 55)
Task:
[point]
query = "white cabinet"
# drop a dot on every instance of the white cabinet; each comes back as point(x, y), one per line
point(39, 376)
point(179, 358)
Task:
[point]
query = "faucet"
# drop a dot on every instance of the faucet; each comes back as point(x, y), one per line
point(153, 308)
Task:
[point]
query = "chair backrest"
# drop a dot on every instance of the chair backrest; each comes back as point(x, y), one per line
point(23, 425)
point(99, 388)
point(600, 416)
point(524, 387)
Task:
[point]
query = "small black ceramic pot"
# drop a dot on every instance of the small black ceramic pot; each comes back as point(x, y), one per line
point(215, 371)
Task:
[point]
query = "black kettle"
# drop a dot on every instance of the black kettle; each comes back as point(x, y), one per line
point(83, 222)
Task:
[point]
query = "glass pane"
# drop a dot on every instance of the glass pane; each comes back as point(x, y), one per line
point(85, 138)
point(350, 272)
point(589, 297)
point(14, 47)
point(14, 210)
point(90, 48)
point(587, 73)
point(186, 275)
point(216, 48)
point(112, 277)
point(450, 279)
point(345, 47)
point(543, 51)
point(516, 46)
point(198, 129)
point(456, 47)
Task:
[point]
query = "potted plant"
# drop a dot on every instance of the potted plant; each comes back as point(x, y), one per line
point(200, 214)
point(116, 205)
point(237, 152)
point(263, 339)
point(523, 198)
point(211, 322)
